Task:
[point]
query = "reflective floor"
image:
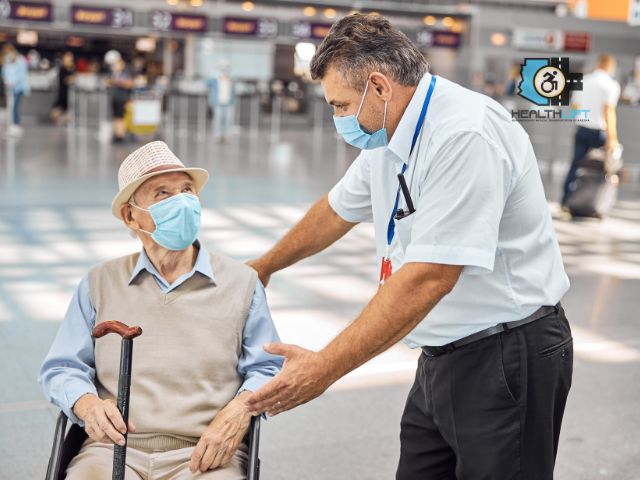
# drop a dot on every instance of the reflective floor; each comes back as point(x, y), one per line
point(55, 221)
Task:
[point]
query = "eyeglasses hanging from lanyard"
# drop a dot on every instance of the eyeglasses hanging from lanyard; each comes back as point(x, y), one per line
point(386, 268)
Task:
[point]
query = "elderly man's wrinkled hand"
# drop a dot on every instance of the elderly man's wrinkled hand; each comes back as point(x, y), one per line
point(222, 438)
point(304, 377)
point(102, 419)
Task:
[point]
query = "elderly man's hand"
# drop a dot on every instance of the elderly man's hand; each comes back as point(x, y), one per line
point(305, 376)
point(102, 419)
point(222, 438)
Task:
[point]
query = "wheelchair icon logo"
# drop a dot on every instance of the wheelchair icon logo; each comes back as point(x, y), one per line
point(548, 81)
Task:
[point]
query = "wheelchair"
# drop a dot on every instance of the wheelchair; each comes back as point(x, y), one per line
point(66, 445)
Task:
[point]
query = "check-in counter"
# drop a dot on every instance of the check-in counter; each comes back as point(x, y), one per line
point(44, 89)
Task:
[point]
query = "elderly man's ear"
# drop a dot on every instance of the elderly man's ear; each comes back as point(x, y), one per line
point(127, 216)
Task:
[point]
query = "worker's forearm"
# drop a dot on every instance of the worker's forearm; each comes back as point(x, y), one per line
point(319, 228)
point(404, 300)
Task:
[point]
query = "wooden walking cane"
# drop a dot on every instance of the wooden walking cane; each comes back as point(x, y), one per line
point(124, 383)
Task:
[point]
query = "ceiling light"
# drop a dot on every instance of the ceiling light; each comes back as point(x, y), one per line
point(330, 13)
point(309, 11)
point(498, 39)
point(247, 6)
point(447, 21)
point(429, 20)
point(305, 51)
point(196, 3)
point(457, 27)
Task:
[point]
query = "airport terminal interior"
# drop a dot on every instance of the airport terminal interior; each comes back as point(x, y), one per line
point(269, 143)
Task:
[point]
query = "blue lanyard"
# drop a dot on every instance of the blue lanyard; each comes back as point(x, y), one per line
point(391, 229)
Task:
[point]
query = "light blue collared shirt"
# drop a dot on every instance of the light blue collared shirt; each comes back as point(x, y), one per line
point(68, 371)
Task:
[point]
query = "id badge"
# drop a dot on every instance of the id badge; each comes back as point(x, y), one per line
point(385, 270)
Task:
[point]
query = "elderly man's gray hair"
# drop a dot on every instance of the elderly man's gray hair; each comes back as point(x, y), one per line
point(358, 45)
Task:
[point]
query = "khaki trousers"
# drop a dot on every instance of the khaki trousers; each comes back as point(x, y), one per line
point(95, 462)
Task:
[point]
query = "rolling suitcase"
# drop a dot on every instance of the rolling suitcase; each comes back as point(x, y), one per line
point(595, 189)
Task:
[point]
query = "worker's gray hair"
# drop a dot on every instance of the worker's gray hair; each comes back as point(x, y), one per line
point(358, 45)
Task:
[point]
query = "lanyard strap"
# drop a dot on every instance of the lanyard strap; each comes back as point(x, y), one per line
point(391, 228)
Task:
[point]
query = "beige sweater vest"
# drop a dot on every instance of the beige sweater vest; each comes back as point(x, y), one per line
point(185, 362)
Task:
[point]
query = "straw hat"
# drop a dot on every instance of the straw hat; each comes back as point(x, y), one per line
point(150, 160)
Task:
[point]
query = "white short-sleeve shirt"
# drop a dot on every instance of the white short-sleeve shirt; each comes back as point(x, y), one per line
point(475, 184)
point(598, 90)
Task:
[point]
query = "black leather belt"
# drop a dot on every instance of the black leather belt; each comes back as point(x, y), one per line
point(501, 327)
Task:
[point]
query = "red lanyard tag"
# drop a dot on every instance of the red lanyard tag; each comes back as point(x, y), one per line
point(385, 270)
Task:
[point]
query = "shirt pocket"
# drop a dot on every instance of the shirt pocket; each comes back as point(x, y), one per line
point(401, 240)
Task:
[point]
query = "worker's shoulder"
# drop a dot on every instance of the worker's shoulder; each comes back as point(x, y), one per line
point(459, 110)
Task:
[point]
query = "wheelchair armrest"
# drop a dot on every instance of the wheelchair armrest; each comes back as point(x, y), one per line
point(66, 445)
point(253, 466)
point(56, 450)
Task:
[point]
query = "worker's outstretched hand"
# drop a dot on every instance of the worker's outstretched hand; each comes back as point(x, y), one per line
point(222, 438)
point(102, 419)
point(304, 377)
point(263, 275)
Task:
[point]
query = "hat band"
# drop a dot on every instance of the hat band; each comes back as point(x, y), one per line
point(159, 168)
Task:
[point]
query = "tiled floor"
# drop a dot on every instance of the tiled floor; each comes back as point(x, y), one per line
point(55, 192)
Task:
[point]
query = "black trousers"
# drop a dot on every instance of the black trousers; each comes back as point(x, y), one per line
point(490, 410)
point(585, 139)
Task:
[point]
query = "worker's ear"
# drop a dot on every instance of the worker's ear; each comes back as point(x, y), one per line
point(381, 86)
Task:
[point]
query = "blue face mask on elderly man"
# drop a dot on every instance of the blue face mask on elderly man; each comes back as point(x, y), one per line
point(177, 220)
point(353, 133)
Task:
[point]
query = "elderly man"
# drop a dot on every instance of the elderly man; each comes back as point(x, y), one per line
point(471, 270)
point(205, 319)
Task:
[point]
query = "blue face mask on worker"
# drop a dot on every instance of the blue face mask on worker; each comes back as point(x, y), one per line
point(353, 133)
point(177, 220)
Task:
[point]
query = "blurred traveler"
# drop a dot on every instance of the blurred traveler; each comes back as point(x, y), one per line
point(514, 79)
point(194, 365)
point(82, 65)
point(600, 94)
point(631, 92)
point(471, 270)
point(121, 83)
point(66, 77)
point(15, 73)
point(222, 98)
point(33, 59)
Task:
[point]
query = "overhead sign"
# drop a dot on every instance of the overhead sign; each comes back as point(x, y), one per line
point(438, 38)
point(75, 42)
point(258, 27)
point(577, 41)
point(310, 30)
point(105, 17)
point(166, 21)
point(538, 39)
point(28, 11)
